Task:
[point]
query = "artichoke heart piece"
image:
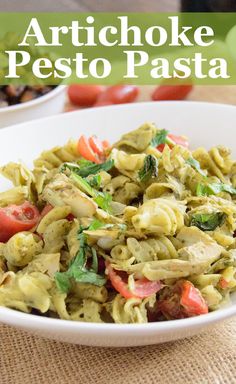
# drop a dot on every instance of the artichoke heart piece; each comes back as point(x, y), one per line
point(167, 269)
point(198, 246)
point(61, 191)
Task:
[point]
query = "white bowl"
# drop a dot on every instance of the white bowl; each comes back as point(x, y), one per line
point(49, 104)
point(204, 123)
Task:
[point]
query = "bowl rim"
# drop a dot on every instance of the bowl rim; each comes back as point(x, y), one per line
point(14, 317)
point(39, 100)
point(34, 322)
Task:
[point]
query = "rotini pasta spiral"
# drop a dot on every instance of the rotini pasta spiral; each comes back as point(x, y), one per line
point(21, 248)
point(131, 310)
point(54, 157)
point(160, 216)
point(125, 162)
point(217, 161)
point(26, 291)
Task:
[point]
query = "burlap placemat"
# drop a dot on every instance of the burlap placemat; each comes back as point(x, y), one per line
point(209, 358)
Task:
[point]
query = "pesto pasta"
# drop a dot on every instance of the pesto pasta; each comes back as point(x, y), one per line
point(140, 231)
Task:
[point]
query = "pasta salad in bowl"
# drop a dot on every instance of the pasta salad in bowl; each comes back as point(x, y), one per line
point(138, 231)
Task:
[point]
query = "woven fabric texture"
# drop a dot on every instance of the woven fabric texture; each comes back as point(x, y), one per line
point(209, 358)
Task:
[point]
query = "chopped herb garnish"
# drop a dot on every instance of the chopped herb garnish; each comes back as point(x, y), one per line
point(84, 163)
point(196, 165)
point(78, 270)
point(150, 168)
point(94, 181)
point(92, 168)
point(160, 138)
point(214, 189)
point(83, 184)
point(208, 221)
point(62, 281)
point(85, 168)
point(103, 200)
point(97, 224)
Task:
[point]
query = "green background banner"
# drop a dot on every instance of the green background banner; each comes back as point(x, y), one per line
point(108, 48)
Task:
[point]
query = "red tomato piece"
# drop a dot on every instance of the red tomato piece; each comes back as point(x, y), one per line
point(142, 288)
point(172, 140)
point(84, 95)
point(181, 301)
point(86, 151)
point(17, 218)
point(171, 92)
point(223, 283)
point(119, 94)
point(161, 147)
point(179, 140)
point(105, 144)
point(192, 300)
point(70, 217)
point(96, 145)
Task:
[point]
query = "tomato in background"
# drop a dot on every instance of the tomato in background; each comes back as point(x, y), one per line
point(171, 92)
point(84, 95)
point(118, 94)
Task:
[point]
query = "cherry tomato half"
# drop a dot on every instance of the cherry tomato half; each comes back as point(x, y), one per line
point(84, 95)
point(92, 149)
point(96, 145)
point(17, 218)
point(143, 287)
point(118, 94)
point(86, 151)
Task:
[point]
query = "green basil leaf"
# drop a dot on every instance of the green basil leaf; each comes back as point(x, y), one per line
point(93, 168)
point(214, 189)
point(96, 224)
point(94, 181)
point(62, 281)
point(203, 190)
point(103, 200)
point(208, 221)
point(195, 164)
point(160, 138)
point(85, 276)
point(150, 168)
point(77, 268)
